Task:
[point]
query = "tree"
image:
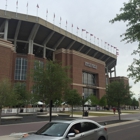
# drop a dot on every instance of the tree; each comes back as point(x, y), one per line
point(134, 68)
point(117, 94)
point(72, 97)
point(6, 95)
point(22, 95)
point(130, 13)
point(103, 101)
point(134, 102)
point(50, 82)
point(94, 100)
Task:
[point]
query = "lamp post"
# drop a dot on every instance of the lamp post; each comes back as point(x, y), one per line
point(83, 102)
point(139, 101)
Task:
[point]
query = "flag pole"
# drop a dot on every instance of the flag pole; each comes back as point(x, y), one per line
point(60, 22)
point(46, 14)
point(5, 7)
point(66, 25)
point(72, 28)
point(16, 7)
point(54, 19)
point(37, 12)
point(27, 10)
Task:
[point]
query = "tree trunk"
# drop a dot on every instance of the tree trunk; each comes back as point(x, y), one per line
point(0, 115)
point(119, 112)
point(72, 110)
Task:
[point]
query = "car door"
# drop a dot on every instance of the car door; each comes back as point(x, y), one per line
point(89, 131)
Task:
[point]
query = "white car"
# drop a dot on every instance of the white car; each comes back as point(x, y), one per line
point(78, 129)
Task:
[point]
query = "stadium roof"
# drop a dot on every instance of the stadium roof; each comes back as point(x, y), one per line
point(22, 28)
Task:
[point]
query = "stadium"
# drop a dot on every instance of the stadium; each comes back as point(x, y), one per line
point(25, 38)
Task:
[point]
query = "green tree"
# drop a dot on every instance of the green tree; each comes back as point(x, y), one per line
point(134, 68)
point(130, 14)
point(6, 95)
point(103, 101)
point(73, 98)
point(94, 100)
point(22, 95)
point(134, 102)
point(117, 93)
point(50, 82)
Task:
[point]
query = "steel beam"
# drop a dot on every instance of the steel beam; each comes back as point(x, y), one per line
point(58, 43)
point(82, 46)
point(48, 38)
point(6, 29)
point(69, 47)
point(88, 51)
point(16, 34)
point(34, 32)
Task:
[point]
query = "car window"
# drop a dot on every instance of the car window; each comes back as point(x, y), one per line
point(77, 127)
point(86, 126)
point(53, 129)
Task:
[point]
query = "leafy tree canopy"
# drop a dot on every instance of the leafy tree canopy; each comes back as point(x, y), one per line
point(130, 13)
point(134, 68)
point(50, 81)
point(103, 101)
point(94, 100)
point(72, 97)
point(6, 93)
point(118, 93)
point(22, 96)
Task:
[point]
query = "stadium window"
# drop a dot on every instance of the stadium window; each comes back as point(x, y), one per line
point(20, 69)
point(89, 79)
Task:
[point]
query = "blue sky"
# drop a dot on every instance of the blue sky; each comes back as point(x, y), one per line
point(91, 15)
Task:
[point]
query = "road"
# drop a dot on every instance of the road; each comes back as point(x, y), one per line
point(125, 132)
point(122, 132)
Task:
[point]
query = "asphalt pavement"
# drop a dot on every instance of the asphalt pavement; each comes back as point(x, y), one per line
point(14, 129)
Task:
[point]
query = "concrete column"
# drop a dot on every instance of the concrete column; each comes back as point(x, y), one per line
point(30, 47)
point(53, 56)
point(44, 52)
point(115, 71)
point(6, 30)
point(110, 73)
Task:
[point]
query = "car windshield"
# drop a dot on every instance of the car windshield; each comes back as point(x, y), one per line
point(56, 129)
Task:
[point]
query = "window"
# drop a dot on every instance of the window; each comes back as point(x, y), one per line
point(89, 79)
point(20, 69)
point(89, 91)
point(87, 126)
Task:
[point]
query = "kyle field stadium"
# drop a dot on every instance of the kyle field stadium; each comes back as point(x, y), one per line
point(26, 39)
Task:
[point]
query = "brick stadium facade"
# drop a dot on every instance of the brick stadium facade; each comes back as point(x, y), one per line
point(24, 40)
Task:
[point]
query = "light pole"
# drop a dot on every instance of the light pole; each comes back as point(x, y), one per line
point(83, 103)
point(139, 101)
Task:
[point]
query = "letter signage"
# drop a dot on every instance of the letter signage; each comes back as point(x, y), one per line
point(90, 65)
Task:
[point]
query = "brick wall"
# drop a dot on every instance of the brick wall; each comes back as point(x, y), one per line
point(6, 59)
point(76, 61)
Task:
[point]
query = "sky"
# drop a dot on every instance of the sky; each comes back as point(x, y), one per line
point(91, 15)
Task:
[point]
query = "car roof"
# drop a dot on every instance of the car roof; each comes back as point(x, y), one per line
point(74, 121)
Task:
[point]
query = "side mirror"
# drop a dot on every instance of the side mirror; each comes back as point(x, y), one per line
point(71, 135)
point(105, 123)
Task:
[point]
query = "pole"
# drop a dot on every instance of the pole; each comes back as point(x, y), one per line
point(83, 104)
point(50, 110)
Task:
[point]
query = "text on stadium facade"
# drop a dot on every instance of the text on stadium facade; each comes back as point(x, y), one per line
point(90, 65)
